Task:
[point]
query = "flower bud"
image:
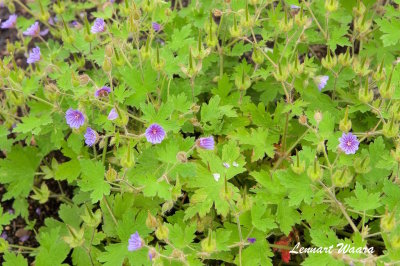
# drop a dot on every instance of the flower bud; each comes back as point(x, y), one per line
point(235, 30)
point(329, 61)
point(92, 219)
point(167, 206)
point(388, 222)
point(83, 79)
point(315, 172)
point(345, 123)
point(59, 7)
point(162, 232)
point(151, 221)
point(280, 75)
point(361, 68)
point(300, 19)
point(380, 74)
point(257, 56)
point(181, 157)
point(242, 81)
point(111, 174)
point(342, 178)
point(286, 24)
point(75, 238)
point(318, 117)
point(109, 50)
point(303, 120)
point(107, 66)
point(331, 5)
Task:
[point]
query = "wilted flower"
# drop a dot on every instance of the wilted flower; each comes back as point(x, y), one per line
point(90, 137)
point(34, 55)
point(251, 240)
point(156, 27)
point(135, 242)
point(322, 81)
point(216, 176)
point(349, 143)
point(10, 22)
point(98, 26)
point(75, 118)
point(103, 91)
point(112, 115)
point(155, 133)
point(33, 30)
point(205, 143)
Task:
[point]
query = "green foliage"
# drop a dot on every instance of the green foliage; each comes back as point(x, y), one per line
point(277, 85)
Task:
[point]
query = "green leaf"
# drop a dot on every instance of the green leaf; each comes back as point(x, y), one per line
point(390, 30)
point(18, 171)
point(286, 217)
point(12, 259)
point(93, 180)
point(363, 200)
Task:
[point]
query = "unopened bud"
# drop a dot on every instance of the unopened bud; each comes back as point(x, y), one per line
point(162, 232)
point(181, 157)
point(151, 221)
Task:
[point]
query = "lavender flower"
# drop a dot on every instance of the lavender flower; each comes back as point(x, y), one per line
point(38, 211)
point(10, 22)
point(34, 56)
point(4, 235)
point(235, 164)
point(251, 240)
point(216, 176)
point(75, 118)
point(24, 238)
point(33, 30)
point(294, 7)
point(98, 26)
point(349, 143)
point(226, 165)
point(112, 115)
point(135, 242)
point(155, 133)
point(103, 91)
point(156, 27)
point(205, 143)
point(322, 81)
point(90, 137)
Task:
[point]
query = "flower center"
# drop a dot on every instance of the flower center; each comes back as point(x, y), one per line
point(348, 143)
point(154, 131)
point(77, 116)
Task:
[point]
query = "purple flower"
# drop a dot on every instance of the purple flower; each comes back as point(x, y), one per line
point(10, 22)
point(349, 143)
point(251, 240)
point(4, 235)
point(90, 137)
point(11, 211)
point(34, 55)
point(155, 133)
point(135, 242)
point(156, 27)
point(294, 7)
point(75, 118)
point(44, 32)
point(38, 211)
point(98, 26)
point(322, 81)
point(226, 165)
point(112, 115)
point(33, 30)
point(205, 143)
point(24, 238)
point(104, 91)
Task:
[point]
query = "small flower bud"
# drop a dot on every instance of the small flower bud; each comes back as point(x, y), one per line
point(242, 81)
point(107, 66)
point(318, 117)
point(167, 206)
point(331, 5)
point(109, 50)
point(111, 174)
point(181, 157)
point(345, 59)
point(303, 119)
point(391, 129)
point(395, 241)
point(299, 166)
point(162, 232)
point(83, 79)
point(365, 95)
point(257, 56)
point(151, 221)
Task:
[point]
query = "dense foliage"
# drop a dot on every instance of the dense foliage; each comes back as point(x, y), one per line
point(199, 132)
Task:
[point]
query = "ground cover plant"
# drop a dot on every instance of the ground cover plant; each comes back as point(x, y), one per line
point(199, 132)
